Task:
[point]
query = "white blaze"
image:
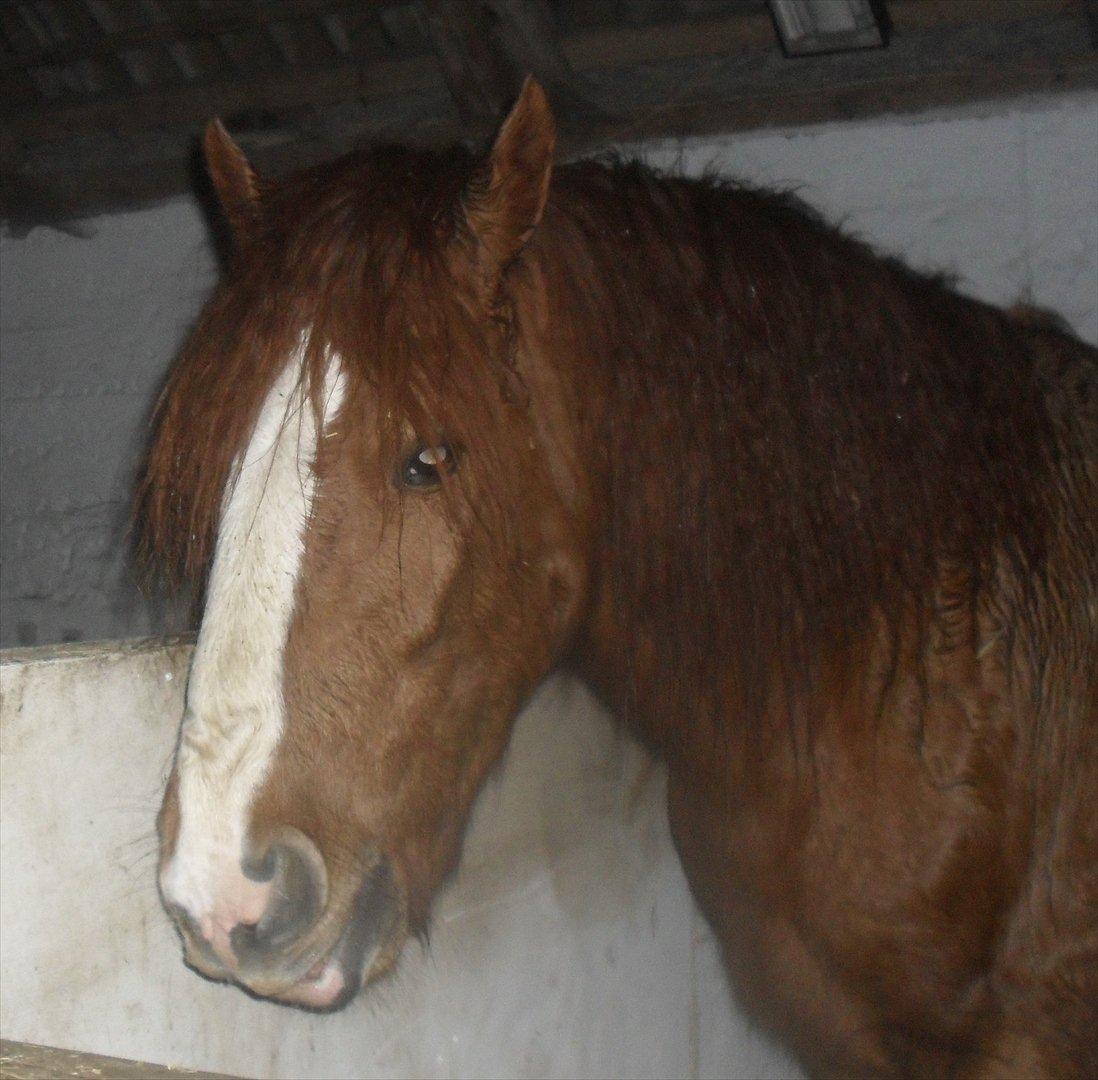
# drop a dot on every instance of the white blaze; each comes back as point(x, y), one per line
point(234, 712)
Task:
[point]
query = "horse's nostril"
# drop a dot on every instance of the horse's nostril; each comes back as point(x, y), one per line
point(262, 867)
point(244, 941)
point(295, 871)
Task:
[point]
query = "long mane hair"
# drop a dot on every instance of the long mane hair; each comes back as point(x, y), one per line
point(793, 432)
point(801, 432)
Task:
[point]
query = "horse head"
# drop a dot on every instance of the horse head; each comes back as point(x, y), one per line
point(393, 550)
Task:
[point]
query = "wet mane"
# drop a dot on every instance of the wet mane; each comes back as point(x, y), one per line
point(350, 261)
point(799, 430)
point(793, 431)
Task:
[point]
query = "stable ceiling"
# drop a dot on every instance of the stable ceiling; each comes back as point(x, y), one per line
point(101, 101)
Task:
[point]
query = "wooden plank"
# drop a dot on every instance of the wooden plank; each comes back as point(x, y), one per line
point(528, 35)
point(487, 48)
point(27, 1061)
point(477, 73)
point(186, 21)
point(618, 46)
point(1091, 9)
point(931, 14)
point(192, 104)
point(924, 67)
point(739, 111)
point(159, 107)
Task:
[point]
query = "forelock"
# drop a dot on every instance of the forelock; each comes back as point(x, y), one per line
point(360, 259)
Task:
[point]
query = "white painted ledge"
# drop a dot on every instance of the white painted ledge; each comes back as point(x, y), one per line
point(567, 945)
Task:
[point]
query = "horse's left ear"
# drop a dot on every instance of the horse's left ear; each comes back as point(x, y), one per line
point(505, 201)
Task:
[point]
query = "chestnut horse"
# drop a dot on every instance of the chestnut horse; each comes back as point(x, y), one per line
point(822, 531)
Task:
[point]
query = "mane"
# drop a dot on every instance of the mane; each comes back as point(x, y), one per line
point(799, 434)
point(793, 431)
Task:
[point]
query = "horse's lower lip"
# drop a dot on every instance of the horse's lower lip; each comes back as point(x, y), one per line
point(324, 987)
point(328, 984)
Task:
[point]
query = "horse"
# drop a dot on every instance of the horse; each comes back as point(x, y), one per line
point(819, 529)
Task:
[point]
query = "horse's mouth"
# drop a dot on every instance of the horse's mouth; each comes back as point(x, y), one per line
point(325, 979)
point(331, 982)
point(366, 949)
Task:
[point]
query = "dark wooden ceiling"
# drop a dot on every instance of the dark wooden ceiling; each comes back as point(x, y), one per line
point(101, 100)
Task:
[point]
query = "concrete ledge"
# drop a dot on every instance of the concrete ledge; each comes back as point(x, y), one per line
point(566, 945)
point(88, 650)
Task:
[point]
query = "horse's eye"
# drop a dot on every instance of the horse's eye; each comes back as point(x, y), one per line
point(424, 467)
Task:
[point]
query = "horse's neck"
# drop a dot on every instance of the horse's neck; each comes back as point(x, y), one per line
point(632, 636)
point(578, 402)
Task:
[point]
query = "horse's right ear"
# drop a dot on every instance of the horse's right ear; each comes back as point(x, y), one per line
point(234, 180)
point(506, 198)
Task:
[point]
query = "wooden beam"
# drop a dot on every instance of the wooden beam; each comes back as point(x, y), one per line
point(527, 33)
point(187, 21)
point(739, 110)
point(189, 105)
point(478, 74)
point(180, 105)
point(1091, 9)
point(26, 1061)
point(940, 14)
point(487, 47)
point(925, 66)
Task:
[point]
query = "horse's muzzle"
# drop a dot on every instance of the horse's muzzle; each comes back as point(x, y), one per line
point(311, 945)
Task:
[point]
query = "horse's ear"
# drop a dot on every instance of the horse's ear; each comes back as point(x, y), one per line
point(506, 198)
point(234, 180)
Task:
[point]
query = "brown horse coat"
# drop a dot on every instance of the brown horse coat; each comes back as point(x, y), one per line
point(819, 528)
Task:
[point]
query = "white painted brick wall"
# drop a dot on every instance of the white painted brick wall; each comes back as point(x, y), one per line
point(87, 330)
point(1005, 195)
